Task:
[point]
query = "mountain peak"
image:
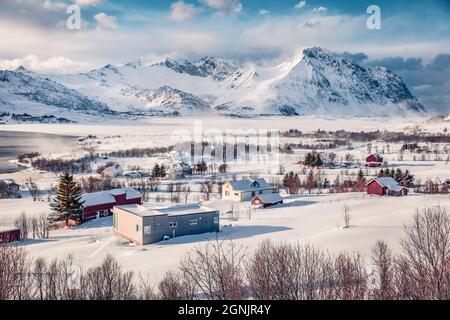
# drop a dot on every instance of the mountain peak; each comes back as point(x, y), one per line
point(22, 69)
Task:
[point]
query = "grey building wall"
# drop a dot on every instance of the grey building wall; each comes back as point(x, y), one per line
point(156, 227)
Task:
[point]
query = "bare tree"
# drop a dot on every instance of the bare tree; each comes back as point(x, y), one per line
point(34, 190)
point(207, 189)
point(346, 216)
point(23, 224)
point(216, 270)
point(175, 287)
point(424, 265)
point(384, 273)
point(186, 190)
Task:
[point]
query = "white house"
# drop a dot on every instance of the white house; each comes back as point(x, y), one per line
point(246, 190)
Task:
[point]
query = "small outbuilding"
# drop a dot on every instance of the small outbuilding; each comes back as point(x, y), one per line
point(383, 186)
point(143, 225)
point(8, 235)
point(266, 200)
point(374, 160)
point(10, 188)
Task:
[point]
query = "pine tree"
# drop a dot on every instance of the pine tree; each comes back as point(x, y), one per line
point(66, 204)
point(156, 171)
point(162, 172)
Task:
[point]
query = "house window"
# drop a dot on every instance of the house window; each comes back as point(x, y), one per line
point(147, 229)
point(138, 228)
point(236, 194)
point(261, 192)
point(216, 220)
point(227, 193)
point(193, 222)
point(253, 193)
point(173, 224)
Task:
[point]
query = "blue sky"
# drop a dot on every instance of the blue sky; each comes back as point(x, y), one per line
point(414, 39)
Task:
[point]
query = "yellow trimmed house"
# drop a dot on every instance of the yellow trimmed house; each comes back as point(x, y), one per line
point(246, 190)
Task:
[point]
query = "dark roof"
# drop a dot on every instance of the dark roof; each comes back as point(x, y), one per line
point(249, 185)
point(269, 197)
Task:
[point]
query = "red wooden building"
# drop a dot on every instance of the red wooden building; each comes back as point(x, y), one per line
point(374, 160)
point(386, 186)
point(8, 235)
point(267, 200)
point(100, 204)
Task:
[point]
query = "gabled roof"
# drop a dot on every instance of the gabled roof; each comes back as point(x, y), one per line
point(178, 210)
point(269, 197)
point(249, 185)
point(376, 155)
point(387, 182)
point(108, 197)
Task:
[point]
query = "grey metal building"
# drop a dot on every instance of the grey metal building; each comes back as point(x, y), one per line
point(143, 225)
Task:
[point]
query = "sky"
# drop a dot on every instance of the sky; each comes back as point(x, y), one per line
point(414, 39)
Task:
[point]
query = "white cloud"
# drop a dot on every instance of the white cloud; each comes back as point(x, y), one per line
point(234, 6)
point(105, 21)
point(181, 11)
point(300, 5)
point(52, 65)
point(86, 3)
point(264, 12)
point(52, 5)
point(320, 9)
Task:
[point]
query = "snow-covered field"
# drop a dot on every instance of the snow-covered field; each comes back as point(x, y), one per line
point(314, 218)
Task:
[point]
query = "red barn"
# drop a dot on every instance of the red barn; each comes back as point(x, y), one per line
point(101, 203)
point(374, 160)
point(267, 200)
point(8, 235)
point(386, 186)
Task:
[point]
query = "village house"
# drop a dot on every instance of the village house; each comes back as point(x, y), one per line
point(100, 204)
point(246, 190)
point(374, 160)
point(143, 225)
point(10, 188)
point(383, 186)
point(266, 200)
point(8, 235)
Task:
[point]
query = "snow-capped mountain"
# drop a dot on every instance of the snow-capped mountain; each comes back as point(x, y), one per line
point(318, 82)
point(314, 82)
point(23, 92)
point(167, 98)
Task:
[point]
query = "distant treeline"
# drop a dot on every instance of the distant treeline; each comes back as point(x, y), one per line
point(59, 165)
point(387, 136)
point(136, 152)
point(289, 147)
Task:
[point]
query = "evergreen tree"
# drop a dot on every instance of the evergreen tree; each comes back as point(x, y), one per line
point(162, 171)
point(66, 204)
point(156, 171)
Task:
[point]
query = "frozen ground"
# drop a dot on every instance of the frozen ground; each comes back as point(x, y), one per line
point(313, 218)
point(165, 126)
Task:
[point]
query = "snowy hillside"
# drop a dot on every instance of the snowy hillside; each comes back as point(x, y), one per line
point(24, 96)
point(314, 82)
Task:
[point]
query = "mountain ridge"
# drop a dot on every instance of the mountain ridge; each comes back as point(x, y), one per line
point(314, 82)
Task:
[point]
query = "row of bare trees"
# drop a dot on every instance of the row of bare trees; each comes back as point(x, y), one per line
point(223, 270)
point(36, 227)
